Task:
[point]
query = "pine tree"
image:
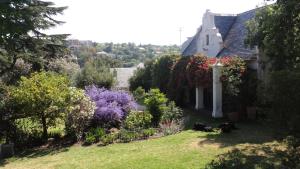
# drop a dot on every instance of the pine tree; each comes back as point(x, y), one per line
point(22, 23)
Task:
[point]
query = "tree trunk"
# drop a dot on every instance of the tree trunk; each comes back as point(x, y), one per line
point(44, 123)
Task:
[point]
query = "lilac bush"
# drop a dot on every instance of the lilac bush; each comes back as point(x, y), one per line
point(111, 106)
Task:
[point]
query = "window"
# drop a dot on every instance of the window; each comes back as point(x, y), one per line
point(207, 40)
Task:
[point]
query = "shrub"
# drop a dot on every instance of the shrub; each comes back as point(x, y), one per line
point(138, 120)
point(139, 95)
point(94, 135)
point(95, 73)
point(155, 102)
point(66, 66)
point(126, 136)
point(284, 94)
point(198, 71)
point(56, 133)
point(99, 133)
point(90, 138)
point(25, 132)
point(112, 106)
point(142, 77)
point(108, 138)
point(172, 112)
point(170, 127)
point(43, 96)
point(80, 113)
point(233, 70)
point(148, 132)
point(292, 155)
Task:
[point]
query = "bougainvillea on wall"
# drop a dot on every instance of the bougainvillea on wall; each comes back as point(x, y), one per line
point(193, 71)
point(111, 106)
point(198, 71)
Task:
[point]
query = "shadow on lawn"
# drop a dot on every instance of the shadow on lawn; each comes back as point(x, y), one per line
point(53, 148)
point(247, 132)
point(250, 157)
point(202, 116)
point(252, 133)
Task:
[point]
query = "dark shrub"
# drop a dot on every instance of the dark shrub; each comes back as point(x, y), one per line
point(126, 136)
point(94, 135)
point(162, 71)
point(285, 93)
point(90, 138)
point(142, 77)
point(178, 83)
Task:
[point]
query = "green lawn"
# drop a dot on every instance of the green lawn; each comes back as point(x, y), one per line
point(188, 149)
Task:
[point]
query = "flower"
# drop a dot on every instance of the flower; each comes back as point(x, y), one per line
point(111, 106)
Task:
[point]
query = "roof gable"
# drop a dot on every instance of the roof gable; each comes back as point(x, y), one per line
point(233, 31)
point(224, 23)
point(234, 41)
point(191, 48)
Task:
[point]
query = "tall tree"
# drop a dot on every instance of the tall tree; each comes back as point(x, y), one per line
point(22, 23)
point(276, 30)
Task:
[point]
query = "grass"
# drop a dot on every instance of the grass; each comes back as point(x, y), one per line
point(188, 149)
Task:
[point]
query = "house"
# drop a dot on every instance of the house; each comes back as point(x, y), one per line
point(123, 75)
point(222, 35)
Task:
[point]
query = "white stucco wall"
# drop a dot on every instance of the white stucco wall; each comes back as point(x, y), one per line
point(215, 38)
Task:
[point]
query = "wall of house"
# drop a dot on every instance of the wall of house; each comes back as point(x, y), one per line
point(215, 39)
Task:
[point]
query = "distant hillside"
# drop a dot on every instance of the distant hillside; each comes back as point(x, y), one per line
point(124, 54)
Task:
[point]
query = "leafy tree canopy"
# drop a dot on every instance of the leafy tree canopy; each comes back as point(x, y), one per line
point(21, 36)
point(276, 30)
point(44, 97)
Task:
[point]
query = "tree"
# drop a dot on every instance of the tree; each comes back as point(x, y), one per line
point(276, 31)
point(142, 77)
point(43, 96)
point(21, 36)
point(162, 71)
point(95, 72)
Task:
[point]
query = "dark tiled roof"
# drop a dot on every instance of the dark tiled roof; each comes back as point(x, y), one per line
point(191, 49)
point(233, 31)
point(234, 42)
point(224, 23)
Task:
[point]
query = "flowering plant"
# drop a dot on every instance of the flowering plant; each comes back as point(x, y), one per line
point(111, 106)
point(198, 71)
point(81, 111)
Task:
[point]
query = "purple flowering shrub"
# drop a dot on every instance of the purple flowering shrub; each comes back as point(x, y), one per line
point(111, 106)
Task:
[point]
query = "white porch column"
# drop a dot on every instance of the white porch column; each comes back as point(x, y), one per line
point(199, 98)
point(217, 91)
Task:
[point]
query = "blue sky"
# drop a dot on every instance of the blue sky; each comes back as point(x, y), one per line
point(141, 21)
